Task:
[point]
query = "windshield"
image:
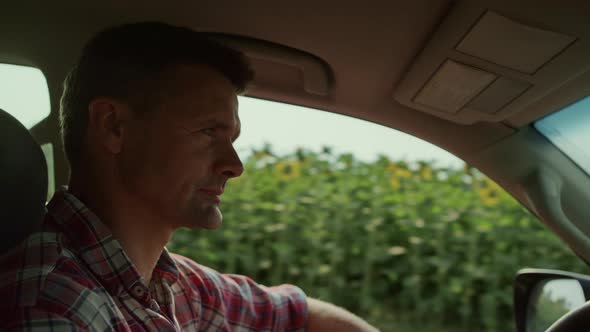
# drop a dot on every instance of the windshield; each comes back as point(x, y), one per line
point(569, 131)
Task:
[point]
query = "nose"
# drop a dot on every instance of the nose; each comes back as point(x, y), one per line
point(230, 165)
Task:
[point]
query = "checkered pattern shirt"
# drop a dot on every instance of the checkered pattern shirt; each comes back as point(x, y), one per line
point(73, 275)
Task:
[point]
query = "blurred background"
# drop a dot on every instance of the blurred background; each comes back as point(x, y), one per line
point(386, 225)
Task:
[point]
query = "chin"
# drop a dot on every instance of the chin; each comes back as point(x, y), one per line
point(210, 226)
point(210, 219)
point(205, 224)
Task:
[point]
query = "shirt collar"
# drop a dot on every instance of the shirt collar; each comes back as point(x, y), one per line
point(99, 250)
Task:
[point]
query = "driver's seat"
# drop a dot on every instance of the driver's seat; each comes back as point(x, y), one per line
point(23, 183)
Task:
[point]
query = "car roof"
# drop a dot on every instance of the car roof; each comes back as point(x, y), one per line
point(433, 69)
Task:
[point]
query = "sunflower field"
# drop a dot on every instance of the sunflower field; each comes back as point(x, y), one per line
point(389, 240)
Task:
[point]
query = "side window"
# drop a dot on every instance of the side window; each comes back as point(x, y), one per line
point(24, 95)
point(384, 224)
point(48, 153)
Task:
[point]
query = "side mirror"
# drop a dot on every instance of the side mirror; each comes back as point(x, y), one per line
point(542, 297)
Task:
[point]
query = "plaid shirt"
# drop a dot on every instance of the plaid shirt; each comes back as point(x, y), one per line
point(74, 275)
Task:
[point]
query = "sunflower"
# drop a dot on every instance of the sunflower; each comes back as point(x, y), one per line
point(395, 182)
point(288, 170)
point(426, 173)
point(397, 173)
point(489, 192)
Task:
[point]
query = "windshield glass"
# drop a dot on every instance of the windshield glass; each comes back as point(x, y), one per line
point(569, 131)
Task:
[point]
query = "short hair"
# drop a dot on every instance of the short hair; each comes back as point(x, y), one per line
point(126, 62)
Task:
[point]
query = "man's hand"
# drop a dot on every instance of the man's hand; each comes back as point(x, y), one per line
point(324, 316)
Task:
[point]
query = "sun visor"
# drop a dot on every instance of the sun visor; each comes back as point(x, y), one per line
point(481, 65)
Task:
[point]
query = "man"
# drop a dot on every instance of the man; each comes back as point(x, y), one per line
point(149, 117)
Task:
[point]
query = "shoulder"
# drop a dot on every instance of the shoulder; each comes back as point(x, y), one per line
point(188, 267)
point(26, 267)
point(41, 280)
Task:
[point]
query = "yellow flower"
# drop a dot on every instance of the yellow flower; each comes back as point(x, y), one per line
point(397, 173)
point(488, 196)
point(288, 170)
point(426, 173)
point(392, 167)
point(489, 192)
point(395, 183)
point(404, 173)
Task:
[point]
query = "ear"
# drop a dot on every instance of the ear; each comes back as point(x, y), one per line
point(107, 119)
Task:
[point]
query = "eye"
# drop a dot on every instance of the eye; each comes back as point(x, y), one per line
point(208, 131)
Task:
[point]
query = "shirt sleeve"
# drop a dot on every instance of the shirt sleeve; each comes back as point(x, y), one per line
point(236, 302)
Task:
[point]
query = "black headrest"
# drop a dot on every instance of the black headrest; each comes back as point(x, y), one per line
point(23, 175)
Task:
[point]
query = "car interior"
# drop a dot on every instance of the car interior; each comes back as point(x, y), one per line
point(472, 77)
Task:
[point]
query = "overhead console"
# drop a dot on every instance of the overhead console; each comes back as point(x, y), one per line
point(281, 67)
point(489, 63)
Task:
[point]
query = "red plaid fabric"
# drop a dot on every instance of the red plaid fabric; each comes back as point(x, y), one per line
point(74, 276)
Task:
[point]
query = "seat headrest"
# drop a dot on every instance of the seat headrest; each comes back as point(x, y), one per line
point(23, 175)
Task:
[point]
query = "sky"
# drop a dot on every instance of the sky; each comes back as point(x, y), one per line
point(23, 93)
point(287, 127)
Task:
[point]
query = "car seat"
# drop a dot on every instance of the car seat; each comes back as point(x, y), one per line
point(23, 179)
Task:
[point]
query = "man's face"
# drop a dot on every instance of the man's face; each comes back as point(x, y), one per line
point(177, 158)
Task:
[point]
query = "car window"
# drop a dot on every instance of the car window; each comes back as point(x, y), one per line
point(48, 153)
point(388, 226)
point(569, 131)
point(24, 94)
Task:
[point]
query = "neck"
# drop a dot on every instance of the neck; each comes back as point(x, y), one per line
point(140, 233)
